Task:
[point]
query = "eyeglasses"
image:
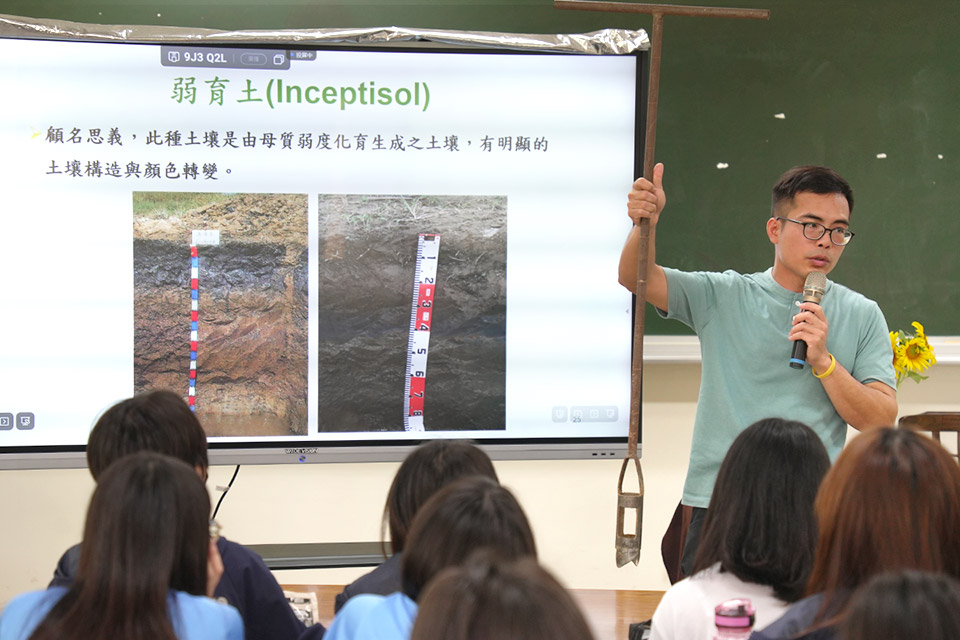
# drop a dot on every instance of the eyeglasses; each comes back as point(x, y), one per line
point(814, 231)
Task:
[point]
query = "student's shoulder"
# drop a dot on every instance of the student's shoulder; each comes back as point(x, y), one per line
point(382, 617)
point(383, 580)
point(796, 620)
point(693, 587)
point(358, 615)
point(66, 567)
point(364, 603)
point(31, 599)
point(229, 547)
point(249, 585)
point(237, 556)
point(22, 614)
point(202, 604)
point(370, 605)
point(204, 617)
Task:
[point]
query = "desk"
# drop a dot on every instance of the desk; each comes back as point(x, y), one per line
point(609, 612)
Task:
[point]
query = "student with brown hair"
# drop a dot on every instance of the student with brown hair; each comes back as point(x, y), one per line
point(490, 599)
point(470, 514)
point(162, 422)
point(428, 468)
point(759, 534)
point(146, 566)
point(905, 605)
point(891, 502)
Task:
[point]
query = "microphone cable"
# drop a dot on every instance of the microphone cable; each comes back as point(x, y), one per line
point(225, 490)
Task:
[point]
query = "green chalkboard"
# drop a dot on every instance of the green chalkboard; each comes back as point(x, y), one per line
point(869, 88)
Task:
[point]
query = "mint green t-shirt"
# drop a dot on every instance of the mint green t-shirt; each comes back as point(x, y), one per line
point(742, 322)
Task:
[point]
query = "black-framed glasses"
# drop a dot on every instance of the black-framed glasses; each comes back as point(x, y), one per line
point(839, 236)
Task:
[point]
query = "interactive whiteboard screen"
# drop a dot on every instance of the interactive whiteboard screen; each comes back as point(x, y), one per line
point(322, 250)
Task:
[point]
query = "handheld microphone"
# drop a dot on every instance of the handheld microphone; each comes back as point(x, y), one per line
point(813, 289)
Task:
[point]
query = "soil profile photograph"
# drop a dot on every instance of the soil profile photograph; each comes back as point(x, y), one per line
point(220, 307)
point(368, 259)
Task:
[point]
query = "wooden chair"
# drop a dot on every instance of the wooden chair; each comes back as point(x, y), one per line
point(935, 422)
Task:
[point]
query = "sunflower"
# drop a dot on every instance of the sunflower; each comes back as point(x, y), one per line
point(912, 354)
point(917, 355)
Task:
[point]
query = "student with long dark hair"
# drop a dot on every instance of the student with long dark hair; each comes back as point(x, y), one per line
point(488, 599)
point(469, 514)
point(890, 502)
point(428, 468)
point(162, 422)
point(759, 533)
point(145, 568)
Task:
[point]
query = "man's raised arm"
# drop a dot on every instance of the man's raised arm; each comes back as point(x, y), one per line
point(646, 200)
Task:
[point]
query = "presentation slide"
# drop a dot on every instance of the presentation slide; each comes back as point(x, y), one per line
point(315, 245)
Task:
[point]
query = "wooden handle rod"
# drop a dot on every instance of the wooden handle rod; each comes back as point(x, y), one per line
point(663, 9)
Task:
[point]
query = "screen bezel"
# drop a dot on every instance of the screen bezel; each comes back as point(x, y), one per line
point(304, 449)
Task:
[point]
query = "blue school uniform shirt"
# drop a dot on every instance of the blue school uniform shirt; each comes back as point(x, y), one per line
point(194, 617)
point(742, 322)
point(374, 617)
point(383, 580)
point(246, 584)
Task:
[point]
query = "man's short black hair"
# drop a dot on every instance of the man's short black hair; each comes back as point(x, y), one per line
point(820, 180)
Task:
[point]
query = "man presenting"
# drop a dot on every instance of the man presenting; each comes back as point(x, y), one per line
point(747, 325)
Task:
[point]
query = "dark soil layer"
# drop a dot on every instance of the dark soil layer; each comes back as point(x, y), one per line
point(252, 355)
point(368, 250)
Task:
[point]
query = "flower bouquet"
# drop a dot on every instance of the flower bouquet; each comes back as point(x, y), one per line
point(912, 354)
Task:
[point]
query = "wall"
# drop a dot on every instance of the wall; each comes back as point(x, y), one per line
point(571, 504)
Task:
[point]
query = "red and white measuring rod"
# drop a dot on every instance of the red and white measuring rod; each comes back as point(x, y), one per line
point(199, 237)
point(194, 325)
point(421, 318)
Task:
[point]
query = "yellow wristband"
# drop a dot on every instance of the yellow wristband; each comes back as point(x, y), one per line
point(833, 365)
